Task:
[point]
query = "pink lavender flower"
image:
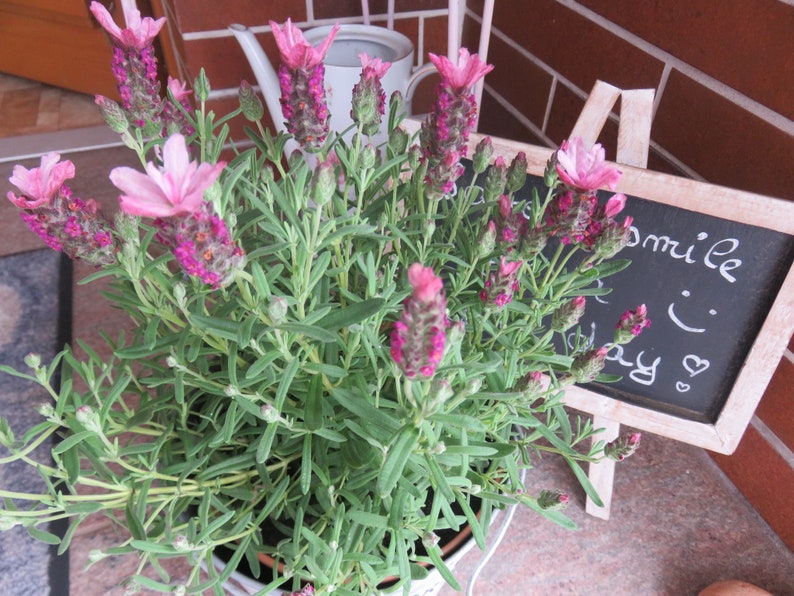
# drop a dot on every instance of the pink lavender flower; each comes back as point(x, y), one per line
point(623, 447)
point(461, 77)
point(307, 591)
point(568, 315)
point(369, 98)
point(605, 236)
point(419, 337)
point(202, 245)
point(140, 32)
point(502, 284)
point(631, 324)
point(569, 214)
point(446, 129)
point(175, 111)
point(134, 62)
point(40, 185)
point(176, 188)
point(585, 170)
point(64, 222)
point(301, 78)
point(296, 52)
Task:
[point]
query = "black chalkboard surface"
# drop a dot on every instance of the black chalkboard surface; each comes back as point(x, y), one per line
point(708, 284)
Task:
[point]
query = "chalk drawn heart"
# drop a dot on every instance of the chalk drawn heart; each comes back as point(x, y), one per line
point(695, 365)
point(682, 387)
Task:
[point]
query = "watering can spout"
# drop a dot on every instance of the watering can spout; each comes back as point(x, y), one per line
point(265, 75)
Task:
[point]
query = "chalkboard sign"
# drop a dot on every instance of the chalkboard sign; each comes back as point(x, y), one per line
point(708, 284)
point(714, 267)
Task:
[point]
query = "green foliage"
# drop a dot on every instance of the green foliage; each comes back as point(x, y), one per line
point(221, 411)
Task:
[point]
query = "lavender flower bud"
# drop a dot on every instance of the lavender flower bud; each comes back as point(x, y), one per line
point(368, 156)
point(531, 385)
point(517, 172)
point(88, 418)
point(587, 365)
point(495, 179)
point(269, 414)
point(33, 360)
point(114, 116)
point(482, 155)
point(323, 183)
point(553, 500)
point(277, 310)
point(622, 447)
point(550, 175)
point(250, 103)
point(487, 240)
point(201, 86)
point(430, 539)
point(181, 543)
point(414, 156)
point(631, 324)
point(398, 141)
point(568, 315)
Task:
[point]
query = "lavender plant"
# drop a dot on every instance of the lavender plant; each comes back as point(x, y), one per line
point(336, 355)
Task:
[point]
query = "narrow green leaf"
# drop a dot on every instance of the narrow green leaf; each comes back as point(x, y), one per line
point(220, 327)
point(306, 464)
point(313, 412)
point(588, 487)
point(396, 458)
point(42, 536)
point(350, 315)
point(435, 556)
point(134, 525)
point(311, 331)
point(72, 440)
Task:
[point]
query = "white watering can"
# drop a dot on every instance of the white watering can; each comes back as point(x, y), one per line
point(342, 68)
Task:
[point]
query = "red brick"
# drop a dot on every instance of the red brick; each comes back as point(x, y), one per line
point(579, 49)
point(766, 479)
point(565, 110)
point(328, 9)
point(205, 15)
point(721, 141)
point(747, 45)
point(529, 92)
point(777, 406)
point(496, 121)
point(223, 60)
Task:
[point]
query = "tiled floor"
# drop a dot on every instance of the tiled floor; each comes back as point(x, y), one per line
point(28, 107)
point(677, 523)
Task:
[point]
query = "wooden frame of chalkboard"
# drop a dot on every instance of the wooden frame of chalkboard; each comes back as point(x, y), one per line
point(761, 345)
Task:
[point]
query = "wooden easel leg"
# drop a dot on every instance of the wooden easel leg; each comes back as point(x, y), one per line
point(602, 474)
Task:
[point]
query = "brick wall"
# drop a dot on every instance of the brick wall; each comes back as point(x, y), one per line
point(723, 112)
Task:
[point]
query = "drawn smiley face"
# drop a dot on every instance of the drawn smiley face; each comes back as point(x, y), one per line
point(675, 319)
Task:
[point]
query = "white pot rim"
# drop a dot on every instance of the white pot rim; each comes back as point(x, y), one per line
point(367, 33)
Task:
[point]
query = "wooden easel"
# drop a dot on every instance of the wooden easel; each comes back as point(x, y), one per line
point(634, 135)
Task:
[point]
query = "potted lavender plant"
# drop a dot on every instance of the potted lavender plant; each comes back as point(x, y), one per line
point(349, 348)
